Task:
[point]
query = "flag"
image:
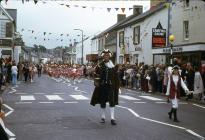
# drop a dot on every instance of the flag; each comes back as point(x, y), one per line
point(116, 9)
point(123, 10)
point(108, 9)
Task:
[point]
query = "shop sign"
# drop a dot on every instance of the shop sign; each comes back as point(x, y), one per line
point(158, 36)
point(174, 49)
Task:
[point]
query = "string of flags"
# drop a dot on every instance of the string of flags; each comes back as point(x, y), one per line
point(109, 9)
point(46, 36)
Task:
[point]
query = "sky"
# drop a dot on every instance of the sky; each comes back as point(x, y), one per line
point(56, 18)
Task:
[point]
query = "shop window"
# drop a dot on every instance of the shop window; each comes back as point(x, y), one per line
point(136, 35)
point(186, 29)
point(121, 39)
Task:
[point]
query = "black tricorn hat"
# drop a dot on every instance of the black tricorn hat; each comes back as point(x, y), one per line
point(106, 51)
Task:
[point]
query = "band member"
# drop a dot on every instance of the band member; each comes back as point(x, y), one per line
point(173, 91)
point(108, 87)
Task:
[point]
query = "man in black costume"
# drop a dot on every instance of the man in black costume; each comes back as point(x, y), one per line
point(108, 88)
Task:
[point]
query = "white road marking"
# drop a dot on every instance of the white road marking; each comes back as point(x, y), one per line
point(79, 97)
point(81, 91)
point(6, 129)
point(139, 102)
point(19, 93)
point(39, 93)
point(12, 138)
point(161, 102)
point(58, 93)
point(76, 88)
point(199, 106)
point(27, 98)
point(53, 97)
point(151, 98)
point(45, 102)
point(23, 102)
point(183, 103)
point(128, 97)
point(70, 102)
point(13, 90)
point(171, 125)
point(8, 107)
point(8, 113)
point(69, 84)
point(195, 134)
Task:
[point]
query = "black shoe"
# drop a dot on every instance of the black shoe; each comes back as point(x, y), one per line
point(113, 122)
point(102, 120)
point(170, 115)
point(175, 120)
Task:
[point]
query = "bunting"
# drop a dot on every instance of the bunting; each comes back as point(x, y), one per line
point(80, 6)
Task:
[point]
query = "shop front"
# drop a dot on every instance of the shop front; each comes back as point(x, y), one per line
point(195, 54)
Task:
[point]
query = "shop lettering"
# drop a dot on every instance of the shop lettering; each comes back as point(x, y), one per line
point(168, 50)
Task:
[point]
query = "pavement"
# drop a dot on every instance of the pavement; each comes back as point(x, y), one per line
point(59, 109)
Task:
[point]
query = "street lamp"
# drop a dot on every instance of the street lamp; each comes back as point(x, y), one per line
point(82, 43)
point(171, 39)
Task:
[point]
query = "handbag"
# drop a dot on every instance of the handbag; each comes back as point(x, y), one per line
point(97, 82)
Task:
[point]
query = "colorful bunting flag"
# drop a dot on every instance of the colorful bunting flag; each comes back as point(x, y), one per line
point(116, 9)
point(123, 10)
point(108, 9)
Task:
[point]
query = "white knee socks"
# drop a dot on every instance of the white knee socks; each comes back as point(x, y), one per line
point(103, 113)
point(112, 113)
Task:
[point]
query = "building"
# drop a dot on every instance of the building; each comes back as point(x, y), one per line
point(187, 18)
point(7, 31)
point(135, 36)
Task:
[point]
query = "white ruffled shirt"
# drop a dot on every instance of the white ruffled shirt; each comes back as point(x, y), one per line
point(109, 64)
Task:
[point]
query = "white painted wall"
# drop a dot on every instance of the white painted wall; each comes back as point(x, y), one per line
point(144, 48)
point(195, 14)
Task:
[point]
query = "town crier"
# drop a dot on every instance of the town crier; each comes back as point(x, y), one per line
point(106, 86)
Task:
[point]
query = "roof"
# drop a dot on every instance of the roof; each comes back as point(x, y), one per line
point(113, 27)
point(12, 13)
point(131, 20)
point(143, 16)
point(6, 13)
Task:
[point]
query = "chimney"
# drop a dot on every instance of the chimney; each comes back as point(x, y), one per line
point(137, 10)
point(154, 3)
point(120, 17)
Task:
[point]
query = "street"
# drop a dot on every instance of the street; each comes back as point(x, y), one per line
point(54, 109)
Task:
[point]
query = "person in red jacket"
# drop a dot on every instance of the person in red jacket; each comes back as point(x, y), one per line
point(173, 91)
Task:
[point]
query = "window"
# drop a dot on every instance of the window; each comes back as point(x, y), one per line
point(186, 30)
point(186, 3)
point(121, 39)
point(136, 35)
point(2, 29)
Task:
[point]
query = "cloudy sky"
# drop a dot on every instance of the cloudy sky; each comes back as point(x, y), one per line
point(56, 18)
